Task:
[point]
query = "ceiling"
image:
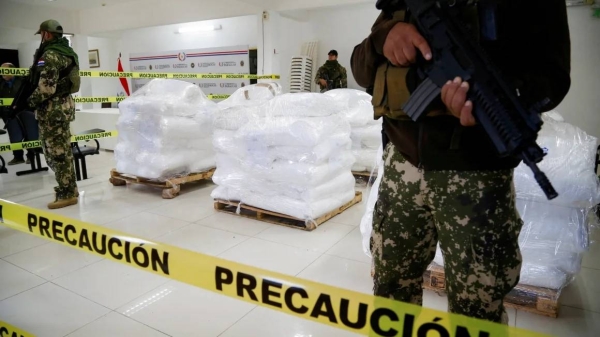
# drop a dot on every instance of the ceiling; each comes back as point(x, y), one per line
point(72, 4)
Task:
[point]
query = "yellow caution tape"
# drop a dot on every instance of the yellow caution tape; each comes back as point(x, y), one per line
point(129, 74)
point(112, 99)
point(12, 331)
point(7, 147)
point(344, 309)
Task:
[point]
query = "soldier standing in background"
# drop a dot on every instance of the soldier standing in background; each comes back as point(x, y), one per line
point(443, 179)
point(9, 86)
point(55, 108)
point(332, 75)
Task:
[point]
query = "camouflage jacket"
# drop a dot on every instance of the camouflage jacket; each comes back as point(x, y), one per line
point(334, 72)
point(49, 104)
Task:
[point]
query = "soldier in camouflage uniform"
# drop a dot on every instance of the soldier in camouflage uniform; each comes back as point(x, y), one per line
point(443, 180)
point(55, 109)
point(332, 75)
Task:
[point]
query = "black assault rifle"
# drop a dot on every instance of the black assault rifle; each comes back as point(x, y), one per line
point(511, 126)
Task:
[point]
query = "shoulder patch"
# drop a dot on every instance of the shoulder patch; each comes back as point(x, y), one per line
point(41, 62)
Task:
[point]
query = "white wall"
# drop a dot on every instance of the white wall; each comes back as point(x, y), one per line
point(148, 13)
point(581, 107)
point(235, 31)
point(291, 35)
point(20, 15)
point(107, 49)
point(342, 28)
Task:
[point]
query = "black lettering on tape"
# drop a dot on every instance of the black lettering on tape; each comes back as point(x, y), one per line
point(31, 222)
point(84, 240)
point(428, 327)
point(5, 148)
point(111, 243)
point(324, 300)
point(407, 327)
point(158, 262)
point(289, 299)
point(267, 293)
point(127, 252)
point(361, 320)
point(3, 331)
point(70, 228)
point(223, 276)
point(376, 321)
point(57, 231)
point(144, 261)
point(241, 285)
point(101, 250)
point(44, 227)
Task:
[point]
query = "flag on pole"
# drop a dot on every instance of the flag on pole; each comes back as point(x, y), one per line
point(122, 79)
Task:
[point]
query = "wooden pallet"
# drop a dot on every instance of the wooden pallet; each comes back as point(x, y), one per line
point(260, 214)
point(537, 300)
point(366, 175)
point(170, 187)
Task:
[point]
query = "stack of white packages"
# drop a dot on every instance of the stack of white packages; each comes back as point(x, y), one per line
point(556, 233)
point(289, 155)
point(366, 131)
point(165, 130)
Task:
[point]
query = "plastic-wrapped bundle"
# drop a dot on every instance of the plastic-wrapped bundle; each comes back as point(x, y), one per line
point(292, 156)
point(569, 165)
point(366, 223)
point(165, 130)
point(366, 131)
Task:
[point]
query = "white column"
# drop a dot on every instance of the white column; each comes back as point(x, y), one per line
point(268, 43)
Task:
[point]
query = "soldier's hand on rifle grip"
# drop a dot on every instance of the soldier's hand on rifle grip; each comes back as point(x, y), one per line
point(401, 45)
point(323, 82)
point(454, 95)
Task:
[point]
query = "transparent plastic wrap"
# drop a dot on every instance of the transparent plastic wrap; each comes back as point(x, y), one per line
point(569, 164)
point(165, 131)
point(358, 108)
point(292, 157)
point(366, 131)
point(366, 223)
point(255, 93)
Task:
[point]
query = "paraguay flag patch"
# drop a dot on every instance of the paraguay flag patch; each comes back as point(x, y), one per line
point(41, 63)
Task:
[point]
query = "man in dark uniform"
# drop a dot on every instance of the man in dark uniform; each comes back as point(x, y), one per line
point(443, 179)
point(9, 86)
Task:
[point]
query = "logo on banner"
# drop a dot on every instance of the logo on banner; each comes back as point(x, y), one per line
point(243, 84)
point(150, 67)
point(242, 63)
point(229, 85)
point(206, 64)
point(227, 64)
point(192, 65)
point(181, 56)
point(140, 68)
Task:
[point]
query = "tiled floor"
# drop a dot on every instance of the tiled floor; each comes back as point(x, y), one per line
point(51, 290)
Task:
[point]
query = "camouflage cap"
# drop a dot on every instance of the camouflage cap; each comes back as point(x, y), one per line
point(51, 26)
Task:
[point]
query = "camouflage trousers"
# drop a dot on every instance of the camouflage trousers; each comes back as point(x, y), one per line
point(56, 142)
point(473, 216)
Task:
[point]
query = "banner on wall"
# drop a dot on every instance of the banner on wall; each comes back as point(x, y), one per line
point(227, 60)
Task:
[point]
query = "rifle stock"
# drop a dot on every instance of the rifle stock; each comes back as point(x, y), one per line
point(511, 126)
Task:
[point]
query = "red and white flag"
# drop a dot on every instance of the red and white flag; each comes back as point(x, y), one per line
point(123, 80)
